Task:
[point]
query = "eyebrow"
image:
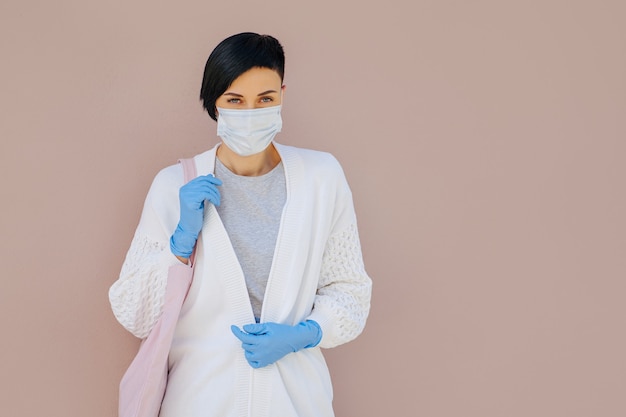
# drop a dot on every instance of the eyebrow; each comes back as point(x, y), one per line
point(260, 94)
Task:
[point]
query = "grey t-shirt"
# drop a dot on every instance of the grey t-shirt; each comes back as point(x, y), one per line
point(251, 209)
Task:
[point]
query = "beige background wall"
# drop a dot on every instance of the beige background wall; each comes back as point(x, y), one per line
point(485, 145)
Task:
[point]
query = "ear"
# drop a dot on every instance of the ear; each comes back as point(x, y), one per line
point(282, 92)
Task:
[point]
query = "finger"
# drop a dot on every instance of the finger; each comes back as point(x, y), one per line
point(255, 328)
point(213, 179)
point(199, 189)
point(199, 195)
point(206, 179)
point(249, 347)
point(209, 178)
point(254, 362)
point(214, 197)
point(237, 332)
point(244, 337)
point(204, 189)
point(191, 189)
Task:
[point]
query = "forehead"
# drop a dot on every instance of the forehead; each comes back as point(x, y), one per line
point(255, 80)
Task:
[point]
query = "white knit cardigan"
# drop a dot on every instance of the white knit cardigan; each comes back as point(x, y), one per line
point(317, 273)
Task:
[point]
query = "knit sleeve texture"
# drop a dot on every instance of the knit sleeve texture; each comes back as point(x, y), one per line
point(342, 302)
point(138, 295)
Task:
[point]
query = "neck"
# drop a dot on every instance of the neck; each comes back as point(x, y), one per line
point(249, 166)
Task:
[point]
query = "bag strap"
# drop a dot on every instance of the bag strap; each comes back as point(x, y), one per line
point(190, 172)
point(189, 169)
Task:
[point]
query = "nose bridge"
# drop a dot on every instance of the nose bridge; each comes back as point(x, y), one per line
point(252, 103)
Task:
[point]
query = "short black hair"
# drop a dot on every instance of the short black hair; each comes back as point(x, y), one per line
point(234, 56)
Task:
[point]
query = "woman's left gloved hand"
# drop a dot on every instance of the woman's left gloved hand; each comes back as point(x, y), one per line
point(265, 343)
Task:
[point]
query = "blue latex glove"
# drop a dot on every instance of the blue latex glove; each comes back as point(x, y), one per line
point(265, 343)
point(192, 197)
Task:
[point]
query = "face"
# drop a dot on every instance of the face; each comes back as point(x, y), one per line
point(254, 89)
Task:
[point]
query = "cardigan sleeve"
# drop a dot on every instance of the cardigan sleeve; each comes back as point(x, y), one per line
point(342, 302)
point(138, 295)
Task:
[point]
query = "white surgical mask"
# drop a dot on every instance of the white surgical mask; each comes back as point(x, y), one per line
point(248, 132)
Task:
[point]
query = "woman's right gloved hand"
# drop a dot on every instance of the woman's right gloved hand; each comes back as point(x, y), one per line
point(192, 197)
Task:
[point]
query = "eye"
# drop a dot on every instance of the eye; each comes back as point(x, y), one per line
point(234, 100)
point(266, 99)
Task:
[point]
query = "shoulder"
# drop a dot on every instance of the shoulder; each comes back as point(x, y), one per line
point(169, 176)
point(166, 183)
point(312, 160)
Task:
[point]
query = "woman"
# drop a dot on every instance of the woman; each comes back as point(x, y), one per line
point(278, 272)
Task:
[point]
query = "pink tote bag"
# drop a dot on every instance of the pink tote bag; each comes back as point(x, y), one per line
point(143, 385)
